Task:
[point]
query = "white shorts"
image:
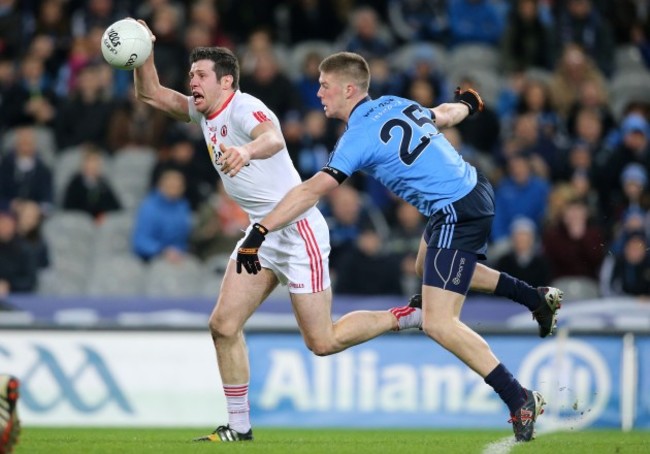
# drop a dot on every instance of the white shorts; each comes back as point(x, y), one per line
point(298, 254)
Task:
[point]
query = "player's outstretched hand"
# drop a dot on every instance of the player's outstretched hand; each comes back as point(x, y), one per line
point(470, 98)
point(232, 159)
point(153, 37)
point(247, 253)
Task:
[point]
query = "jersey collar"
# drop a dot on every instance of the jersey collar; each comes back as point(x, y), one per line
point(225, 104)
point(364, 100)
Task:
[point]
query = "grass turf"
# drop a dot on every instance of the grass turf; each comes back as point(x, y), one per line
point(289, 441)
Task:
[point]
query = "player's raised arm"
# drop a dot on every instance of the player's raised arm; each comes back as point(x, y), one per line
point(267, 141)
point(149, 90)
point(449, 114)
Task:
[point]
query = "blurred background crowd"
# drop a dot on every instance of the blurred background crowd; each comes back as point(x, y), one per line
point(101, 195)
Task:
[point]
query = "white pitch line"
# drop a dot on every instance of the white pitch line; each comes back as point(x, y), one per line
point(502, 446)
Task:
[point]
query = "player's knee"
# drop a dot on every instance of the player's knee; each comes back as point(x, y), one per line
point(419, 267)
point(221, 328)
point(321, 347)
point(323, 350)
point(436, 330)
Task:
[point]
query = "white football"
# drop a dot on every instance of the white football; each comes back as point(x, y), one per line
point(126, 44)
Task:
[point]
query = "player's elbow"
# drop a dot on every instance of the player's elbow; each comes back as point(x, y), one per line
point(148, 91)
point(143, 96)
point(276, 142)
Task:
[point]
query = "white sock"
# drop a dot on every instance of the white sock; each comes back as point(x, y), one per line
point(407, 317)
point(238, 407)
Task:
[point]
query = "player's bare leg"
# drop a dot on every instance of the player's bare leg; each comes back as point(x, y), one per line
point(324, 337)
point(543, 302)
point(441, 321)
point(442, 301)
point(240, 295)
point(485, 279)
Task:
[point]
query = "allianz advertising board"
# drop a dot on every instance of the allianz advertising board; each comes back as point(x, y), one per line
point(409, 381)
point(171, 379)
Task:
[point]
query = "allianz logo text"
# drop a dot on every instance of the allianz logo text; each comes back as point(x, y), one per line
point(574, 377)
point(364, 382)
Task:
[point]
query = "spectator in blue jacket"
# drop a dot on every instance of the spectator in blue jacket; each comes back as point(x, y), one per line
point(475, 21)
point(307, 83)
point(163, 221)
point(520, 193)
point(418, 20)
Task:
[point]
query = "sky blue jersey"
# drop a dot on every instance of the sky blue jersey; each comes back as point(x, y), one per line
point(396, 141)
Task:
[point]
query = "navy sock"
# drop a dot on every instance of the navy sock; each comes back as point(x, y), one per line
point(518, 291)
point(507, 387)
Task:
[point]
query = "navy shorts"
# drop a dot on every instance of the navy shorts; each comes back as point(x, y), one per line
point(464, 225)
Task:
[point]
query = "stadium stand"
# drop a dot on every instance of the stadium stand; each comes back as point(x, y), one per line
point(113, 236)
point(577, 288)
point(119, 275)
point(61, 282)
point(298, 53)
point(70, 236)
point(183, 278)
point(403, 58)
point(130, 172)
point(211, 283)
point(69, 231)
point(628, 57)
point(473, 56)
point(627, 86)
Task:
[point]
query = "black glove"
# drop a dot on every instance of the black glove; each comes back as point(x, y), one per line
point(247, 253)
point(470, 98)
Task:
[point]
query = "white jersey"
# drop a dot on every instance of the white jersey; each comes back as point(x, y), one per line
point(261, 184)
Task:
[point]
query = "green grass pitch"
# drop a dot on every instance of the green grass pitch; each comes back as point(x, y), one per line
point(315, 441)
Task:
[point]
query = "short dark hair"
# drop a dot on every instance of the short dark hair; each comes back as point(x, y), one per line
point(350, 65)
point(224, 62)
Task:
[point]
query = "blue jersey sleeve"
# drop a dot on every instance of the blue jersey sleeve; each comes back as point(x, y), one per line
point(348, 155)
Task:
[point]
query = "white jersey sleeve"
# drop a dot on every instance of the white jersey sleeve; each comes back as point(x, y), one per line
point(195, 115)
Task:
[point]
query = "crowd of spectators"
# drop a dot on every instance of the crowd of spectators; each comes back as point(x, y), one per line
point(567, 149)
